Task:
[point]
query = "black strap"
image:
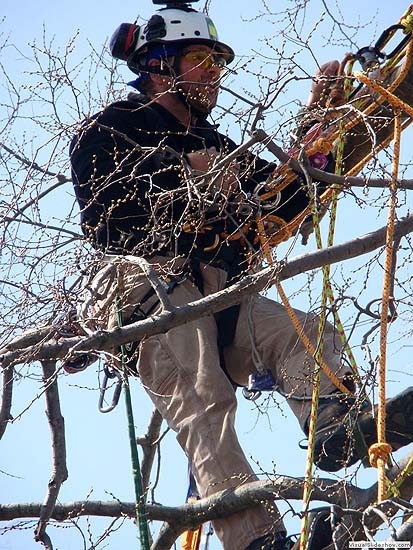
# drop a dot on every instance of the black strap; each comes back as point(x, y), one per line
point(226, 319)
point(195, 267)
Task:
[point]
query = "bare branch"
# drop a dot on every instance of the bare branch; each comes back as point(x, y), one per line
point(6, 398)
point(221, 504)
point(31, 164)
point(59, 468)
point(149, 443)
point(327, 177)
point(405, 531)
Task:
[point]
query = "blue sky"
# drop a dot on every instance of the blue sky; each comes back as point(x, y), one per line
point(98, 455)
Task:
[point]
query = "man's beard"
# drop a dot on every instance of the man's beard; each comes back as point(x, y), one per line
point(200, 97)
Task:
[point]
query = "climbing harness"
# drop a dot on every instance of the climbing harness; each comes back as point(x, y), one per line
point(147, 305)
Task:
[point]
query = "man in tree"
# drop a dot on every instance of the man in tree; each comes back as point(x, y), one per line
point(150, 184)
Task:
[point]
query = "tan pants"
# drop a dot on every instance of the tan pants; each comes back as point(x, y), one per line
point(181, 372)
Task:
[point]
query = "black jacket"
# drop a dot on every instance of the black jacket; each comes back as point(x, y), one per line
point(131, 182)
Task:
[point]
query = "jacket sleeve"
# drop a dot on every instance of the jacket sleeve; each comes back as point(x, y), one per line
point(119, 170)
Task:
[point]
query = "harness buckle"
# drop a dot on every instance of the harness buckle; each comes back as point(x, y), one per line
point(172, 281)
point(257, 383)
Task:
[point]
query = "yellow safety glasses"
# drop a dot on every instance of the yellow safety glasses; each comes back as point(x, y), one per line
point(205, 60)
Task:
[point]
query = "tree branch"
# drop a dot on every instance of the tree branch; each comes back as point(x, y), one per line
point(327, 177)
point(157, 324)
point(62, 179)
point(6, 398)
point(221, 504)
point(59, 468)
point(148, 442)
point(405, 531)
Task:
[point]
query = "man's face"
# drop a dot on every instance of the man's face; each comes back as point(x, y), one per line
point(200, 73)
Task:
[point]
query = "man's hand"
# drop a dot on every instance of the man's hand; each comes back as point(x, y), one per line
point(321, 84)
point(203, 161)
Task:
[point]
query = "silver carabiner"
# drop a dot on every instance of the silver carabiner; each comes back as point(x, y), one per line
point(116, 393)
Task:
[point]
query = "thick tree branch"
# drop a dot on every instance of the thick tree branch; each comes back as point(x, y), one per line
point(180, 518)
point(222, 504)
point(59, 468)
point(6, 398)
point(405, 531)
point(206, 306)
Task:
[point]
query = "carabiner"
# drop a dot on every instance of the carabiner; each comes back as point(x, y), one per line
point(116, 394)
point(387, 35)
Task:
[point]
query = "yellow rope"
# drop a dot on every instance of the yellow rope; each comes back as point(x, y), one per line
point(327, 195)
point(327, 295)
point(314, 402)
point(391, 98)
point(349, 62)
point(379, 452)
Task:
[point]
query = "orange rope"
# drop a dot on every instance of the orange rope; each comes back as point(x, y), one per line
point(330, 134)
point(293, 317)
point(391, 98)
point(304, 338)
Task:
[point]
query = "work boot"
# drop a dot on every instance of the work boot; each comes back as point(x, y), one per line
point(345, 430)
point(272, 541)
point(320, 533)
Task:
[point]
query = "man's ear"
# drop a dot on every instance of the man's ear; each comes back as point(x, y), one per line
point(160, 81)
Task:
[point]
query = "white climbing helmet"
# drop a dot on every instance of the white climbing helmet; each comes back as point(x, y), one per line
point(181, 26)
point(176, 24)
